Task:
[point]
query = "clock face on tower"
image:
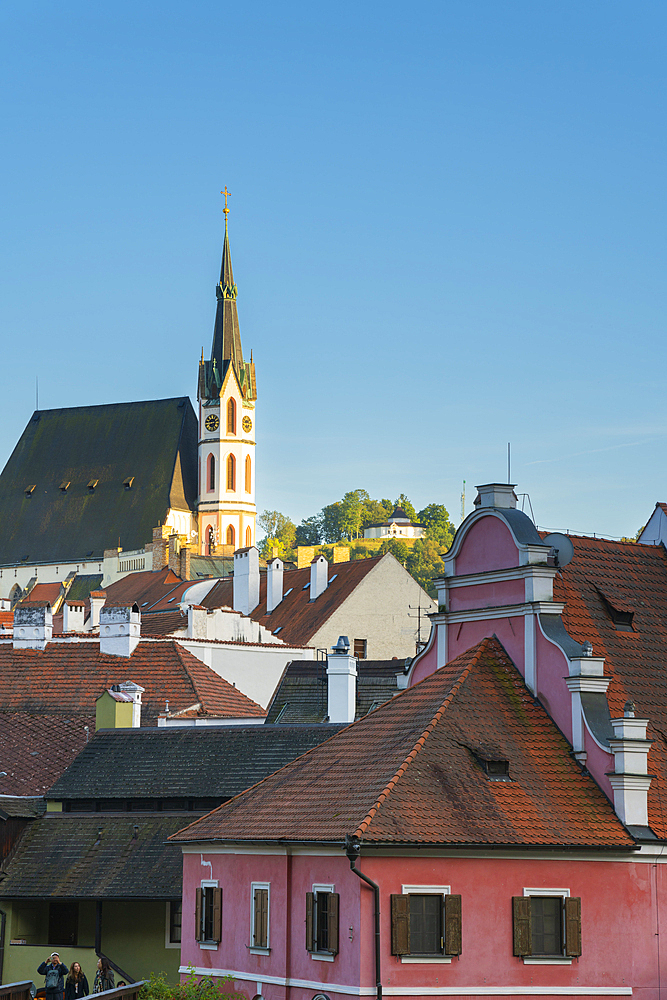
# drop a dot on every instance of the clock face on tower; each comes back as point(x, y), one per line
point(246, 423)
point(212, 422)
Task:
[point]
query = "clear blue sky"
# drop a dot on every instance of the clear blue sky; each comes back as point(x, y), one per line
point(448, 229)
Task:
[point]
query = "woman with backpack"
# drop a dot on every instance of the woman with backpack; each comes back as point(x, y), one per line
point(76, 984)
point(53, 971)
point(104, 979)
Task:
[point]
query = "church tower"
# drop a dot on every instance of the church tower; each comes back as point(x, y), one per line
point(226, 393)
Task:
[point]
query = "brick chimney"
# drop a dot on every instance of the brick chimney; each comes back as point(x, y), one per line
point(160, 547)
point(246, 580)
point(341, 682)
point(630, 780)
point(274, 584)
point(120, 629)
point(33, 625)
point(319, 577)
point(74, 616)
point(97, 599)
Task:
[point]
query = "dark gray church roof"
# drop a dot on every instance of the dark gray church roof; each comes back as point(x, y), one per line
point(301, 694)
point(151, 445)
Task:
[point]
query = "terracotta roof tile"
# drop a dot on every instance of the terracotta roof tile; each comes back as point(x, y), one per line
point(48, 592)
point(36, 748)
point(625, 576)
point(411, 772)
point(297, 617)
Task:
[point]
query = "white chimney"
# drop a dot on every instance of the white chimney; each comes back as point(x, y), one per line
point(274, 584)
point(120, 629)
point(97, 599)
point(74, 615)
point(319, 577)
point(33, 625)
point(133, 691)
point(341, 682)
point(629, 779)
point(495, 495)
point(246, 580)
point(197, 622)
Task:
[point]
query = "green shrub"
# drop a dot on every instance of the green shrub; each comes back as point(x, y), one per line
point(194, 987)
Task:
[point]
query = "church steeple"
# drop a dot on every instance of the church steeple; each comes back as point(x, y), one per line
point(226, 349)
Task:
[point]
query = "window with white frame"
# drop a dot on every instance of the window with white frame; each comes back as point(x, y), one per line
point(425, 923)
point(322, 921)
point(259, 916)
point(546, 925)
point(174, 919)
point(208, 914)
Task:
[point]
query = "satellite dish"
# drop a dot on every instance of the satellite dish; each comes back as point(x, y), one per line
point(563, 547)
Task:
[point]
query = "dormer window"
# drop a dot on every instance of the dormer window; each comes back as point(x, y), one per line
point(64, 486)
point(92, 483)
point(621, 617)
point(127, 483)
point(29, 490)
point(497, 770)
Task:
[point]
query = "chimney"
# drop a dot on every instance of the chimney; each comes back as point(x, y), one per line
point(184, 567)
point(341, 682)
point(629, 779)
point(495, 495)
point(274, 584)
point(319, 577)
point(197, 622)
point(120, 629)
point(119, 707)
point(33, 625)
point(97, 599)
point(74, 615)
point(341, 553)
point(160, 547)
point(174, 558)
point(304, 555)
point(246, 580)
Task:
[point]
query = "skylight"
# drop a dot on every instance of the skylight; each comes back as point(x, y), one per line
point(307, 586)
point(277, 630)
point(333, 578)
point(288, 591)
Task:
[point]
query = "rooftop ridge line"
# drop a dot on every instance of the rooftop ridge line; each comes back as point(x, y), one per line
point(391, 784)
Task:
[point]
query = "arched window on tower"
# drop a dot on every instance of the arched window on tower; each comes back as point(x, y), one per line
point(231, 473)
point(231, 416)
point(230, 534)
point(248, 537)
point(248, 475)
point(210, 473)
point(210, 541)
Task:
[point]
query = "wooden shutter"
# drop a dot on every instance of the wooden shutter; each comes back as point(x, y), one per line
point(452, 925)
point(261, 914)
point(573, 926)
point(400, 924)
point(310, 936)
point(523, 936)
point(199, 900)
point(217, 914)
point(332, 922)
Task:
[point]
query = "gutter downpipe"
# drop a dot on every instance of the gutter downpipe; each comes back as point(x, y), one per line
point(353, 851)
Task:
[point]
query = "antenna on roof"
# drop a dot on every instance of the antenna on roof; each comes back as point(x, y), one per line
point(509, 480)
point(36, 392)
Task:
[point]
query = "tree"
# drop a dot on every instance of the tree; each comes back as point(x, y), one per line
point(402, 501)
point(309, 532)
point(424, 563)
point(351, 509)
point(397, 548)
point(374, 512)
point(330, 521)
point(435, 519)
point(280, 533)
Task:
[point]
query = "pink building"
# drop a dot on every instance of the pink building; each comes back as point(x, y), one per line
point(501, 810)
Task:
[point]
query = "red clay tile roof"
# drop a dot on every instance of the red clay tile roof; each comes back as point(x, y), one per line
point(6, 620)
point(411, 772)
point(35, 749)
point(630, 577)
point(163, 623)
point(48, 592)
point(298, 618)
point(67, 678)
point(145, 588)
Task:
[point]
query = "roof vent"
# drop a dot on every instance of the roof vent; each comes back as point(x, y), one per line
point(64, 486)
point(29, 490)
point(92, 483)
point(587, 648)
point(127, 483)
point(342, 646)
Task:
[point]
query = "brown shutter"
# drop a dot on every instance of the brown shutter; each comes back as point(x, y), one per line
point(332, 922)
point(573, 926)
point(261, 921)
point(217, 914)
point(310, 937)
point(400, 924)
point(199, 898)
point(523, 936)
point(452, 925)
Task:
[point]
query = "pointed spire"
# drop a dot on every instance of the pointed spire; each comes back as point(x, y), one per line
point(226, 335)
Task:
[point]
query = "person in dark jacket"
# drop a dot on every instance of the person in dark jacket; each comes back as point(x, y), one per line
point(76, 984)
point(104, 978)
point(53, 971)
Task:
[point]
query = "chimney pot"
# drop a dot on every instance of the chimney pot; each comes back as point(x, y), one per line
point(274, 584)
point(319, 577)
point(341, 683)
point(246, 580)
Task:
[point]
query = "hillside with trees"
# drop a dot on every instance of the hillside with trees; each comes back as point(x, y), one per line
point(343, 523)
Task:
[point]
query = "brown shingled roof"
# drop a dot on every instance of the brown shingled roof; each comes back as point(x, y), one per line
point(36, 748)
point(625, 576)
point(297, 617)
point(412, 772)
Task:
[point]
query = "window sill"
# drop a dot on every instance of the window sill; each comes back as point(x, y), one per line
point(425, 960)
point(258, 951)
point(209, 945)
point(322, 956)
point(547, 960)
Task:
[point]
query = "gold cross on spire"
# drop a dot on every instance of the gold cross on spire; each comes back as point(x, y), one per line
point(227, 195)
